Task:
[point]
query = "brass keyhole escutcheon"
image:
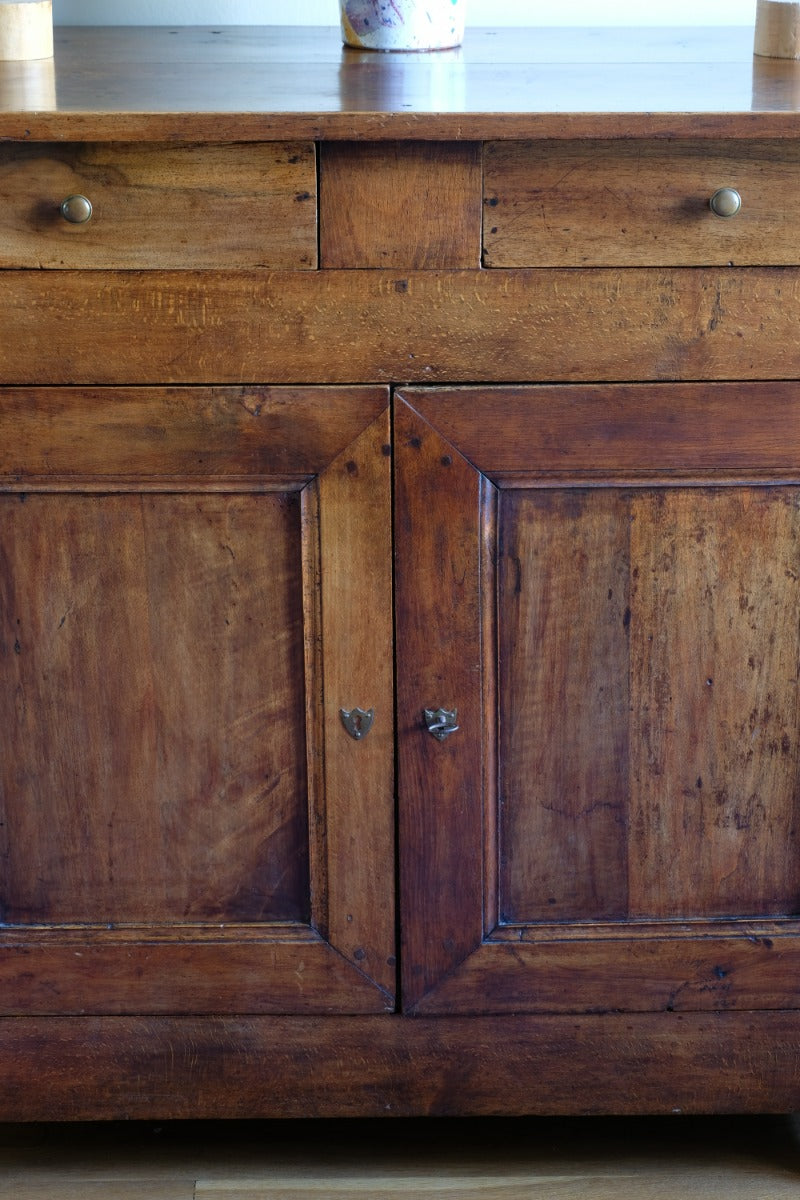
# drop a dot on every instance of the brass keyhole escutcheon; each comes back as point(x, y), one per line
point(357, 721)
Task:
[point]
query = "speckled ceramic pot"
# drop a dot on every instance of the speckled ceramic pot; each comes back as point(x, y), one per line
point(403, 24)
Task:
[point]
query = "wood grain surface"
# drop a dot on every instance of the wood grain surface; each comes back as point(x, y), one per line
point(646, 724)
point(597, 879)
point(251, 1067)
point(422, 326)
point(648, 703)
point(440, 783)
point(355, 597)
point(714, 732)
point(165, 206)
point(129, 436)
point(611, 432)
point(400, 204)
point(155, 764)
point(257, 83)
point(161, 970)
point(563, 594)
point(692, 968)
point(638, 203)
point(186, 823)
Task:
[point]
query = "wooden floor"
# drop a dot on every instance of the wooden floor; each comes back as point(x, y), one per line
point(669, 1159)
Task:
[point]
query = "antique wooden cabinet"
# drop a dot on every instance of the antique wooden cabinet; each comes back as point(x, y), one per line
point(399, 576)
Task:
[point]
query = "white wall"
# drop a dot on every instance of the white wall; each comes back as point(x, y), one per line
point(479, 12)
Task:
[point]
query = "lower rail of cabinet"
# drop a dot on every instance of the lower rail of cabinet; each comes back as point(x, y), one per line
point(158, 1068)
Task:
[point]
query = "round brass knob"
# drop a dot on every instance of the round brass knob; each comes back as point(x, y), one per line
point(76, 209)
point(725, 202)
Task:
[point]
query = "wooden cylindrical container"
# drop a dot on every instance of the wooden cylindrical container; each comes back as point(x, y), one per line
point(777, 29)
point(26, 29)
point(402, 24)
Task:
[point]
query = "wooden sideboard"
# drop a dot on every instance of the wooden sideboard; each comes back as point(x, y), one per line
point(399, 576)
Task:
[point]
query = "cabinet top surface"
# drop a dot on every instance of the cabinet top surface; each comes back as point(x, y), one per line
point(251, 83)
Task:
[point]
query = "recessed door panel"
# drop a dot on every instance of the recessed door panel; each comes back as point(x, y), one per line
point(564, 711)
point(648, 703)
point(155, 762)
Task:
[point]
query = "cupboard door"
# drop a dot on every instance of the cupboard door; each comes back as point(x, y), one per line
point(603, 584)
point(193, 584)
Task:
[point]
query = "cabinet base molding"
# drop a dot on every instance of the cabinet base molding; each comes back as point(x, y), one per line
point(114, 1068)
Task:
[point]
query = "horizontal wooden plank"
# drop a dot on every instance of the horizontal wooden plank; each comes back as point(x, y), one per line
point(639, 203)
point(112, 1189)
point(158, 433)
point(256, 83)
point(153, 1068)
point(647, 974)
point(610, 430)
point(376, 326)
point(576, 1183)
point(141, 125)
point(84, 974)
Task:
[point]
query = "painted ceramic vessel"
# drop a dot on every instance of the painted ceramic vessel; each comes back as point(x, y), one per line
point(403, 24)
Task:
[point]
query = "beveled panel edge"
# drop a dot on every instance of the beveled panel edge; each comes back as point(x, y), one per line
point(159, 439)
point(53, 976)
point(731, 972)
point(753, 929)
point(627, 434)
point(178, 933)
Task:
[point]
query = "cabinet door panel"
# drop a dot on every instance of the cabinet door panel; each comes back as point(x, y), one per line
point(648, 689)
point(626, 813)
point(185, 817)
point(564, 695)
point(155, 770)
point(714, 657)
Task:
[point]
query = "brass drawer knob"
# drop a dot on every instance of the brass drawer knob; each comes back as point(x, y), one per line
point(725, 202)
point(76, 209)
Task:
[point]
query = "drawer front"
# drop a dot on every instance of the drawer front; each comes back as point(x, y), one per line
point(227, 206)
point(639, 203)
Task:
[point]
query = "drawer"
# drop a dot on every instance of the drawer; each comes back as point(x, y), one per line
point(223, 206)
point(639, 203)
